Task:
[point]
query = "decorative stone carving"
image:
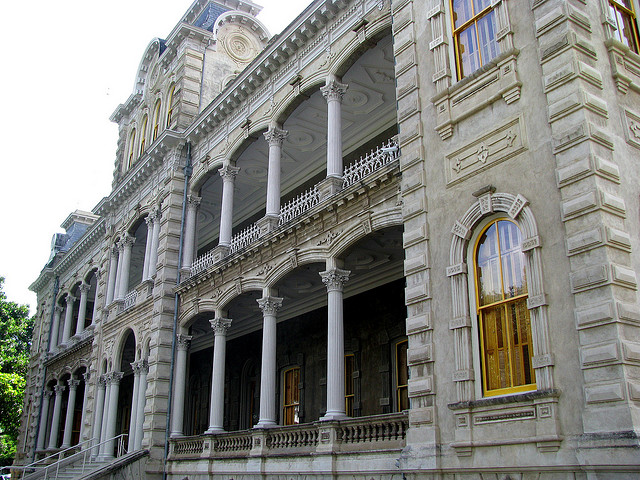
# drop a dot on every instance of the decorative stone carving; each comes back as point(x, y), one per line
point(270, 305)
point(220, 325)
point(334, 90)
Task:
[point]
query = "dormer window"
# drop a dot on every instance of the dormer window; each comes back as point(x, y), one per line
point(170, 105)
point(143, 139)
point(156, 121)
point(132, 148)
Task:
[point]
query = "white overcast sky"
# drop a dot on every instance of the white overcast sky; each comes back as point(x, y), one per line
point(66, 65)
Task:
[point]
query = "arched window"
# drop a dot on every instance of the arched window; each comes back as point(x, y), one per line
point(504, 325)
point(132, 147)
point(143, 133)
point(156, 121)
point(170, 105)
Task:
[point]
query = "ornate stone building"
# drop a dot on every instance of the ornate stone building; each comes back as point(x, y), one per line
point(399, 240)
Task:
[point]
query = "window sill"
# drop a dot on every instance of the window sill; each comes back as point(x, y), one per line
point(495, 80)
point(625, 66)
point(506, 399)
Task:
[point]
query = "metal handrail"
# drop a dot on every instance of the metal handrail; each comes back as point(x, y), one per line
point(36, 469)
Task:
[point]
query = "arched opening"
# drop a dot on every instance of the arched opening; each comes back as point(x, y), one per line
point(125, 393)
point(76, 423)
point(136, 267)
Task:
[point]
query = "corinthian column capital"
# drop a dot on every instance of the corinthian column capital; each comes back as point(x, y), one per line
point(220, 325)
point(193, 202)
point(275, 136)
point(228, 172)
point(269, 305)
point(183, 341)
point(334, 90)
point(335, 279)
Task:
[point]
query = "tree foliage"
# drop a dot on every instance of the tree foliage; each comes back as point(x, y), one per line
point(16, 328)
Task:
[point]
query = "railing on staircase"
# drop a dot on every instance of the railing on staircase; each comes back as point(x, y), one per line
point(50, 467)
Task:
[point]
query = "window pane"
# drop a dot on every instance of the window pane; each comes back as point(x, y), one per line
point(513, 275)
point(487, 33)
point(462, 12)
point(627, 32)
point(488, 268)
point(468, 50)
point(521, 341)
point(496, 366)
point(480, 5)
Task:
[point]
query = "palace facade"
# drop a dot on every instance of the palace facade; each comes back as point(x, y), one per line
point(400, 240)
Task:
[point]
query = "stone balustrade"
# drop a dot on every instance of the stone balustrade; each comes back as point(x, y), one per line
point(245, 238)
point(374, 433)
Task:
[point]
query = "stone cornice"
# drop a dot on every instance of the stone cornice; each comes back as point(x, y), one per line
point(45, 276)
point(93, 235)
point(268, 62)
point(124, 109)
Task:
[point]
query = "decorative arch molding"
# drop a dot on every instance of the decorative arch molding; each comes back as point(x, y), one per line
point(151, 53)
point(515, 207)
point(245, 20)
point(367, 36)
point(120, 343)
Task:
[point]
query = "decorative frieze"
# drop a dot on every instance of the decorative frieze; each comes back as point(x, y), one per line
point(498, 145)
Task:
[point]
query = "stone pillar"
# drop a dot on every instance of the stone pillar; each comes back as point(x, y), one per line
point(68, 318)
point(228, 174)
point(189, 244)
point(177, 419)
point(82, 309)
point(113, 274)
point(55, 327)
point(142, 398)
point(334, 279)
point(216, 416)
point(55, 421)
point(86, 377)
point(334, 92)
point(46, 401)
point(99, 411)
point(114, 389)
point(147, 249)
point(134, 406)
point(105, 412)
point(274, 137)
point(71, 405)
point(127, 243)
point(155, 237)
point(269, 306)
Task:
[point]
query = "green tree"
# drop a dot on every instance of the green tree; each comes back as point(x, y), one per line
point(16, 328)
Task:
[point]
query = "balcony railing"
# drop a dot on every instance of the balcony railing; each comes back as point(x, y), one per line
point(130, 300)
point(373, 433)
point(356, 172)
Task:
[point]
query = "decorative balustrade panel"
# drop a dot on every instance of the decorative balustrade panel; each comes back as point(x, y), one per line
point(130, 300)
point(290, 438)
point(187, 447)
point(373, 430)
point(245, 238)
point(365, 166)
point(233, 442)
point(299, 205)
point(202, 263)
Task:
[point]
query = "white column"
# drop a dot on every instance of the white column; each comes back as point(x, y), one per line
point(105, 411)
point(71, 406)
point(55, 327)
point(112, 414)
point(155, 237)
point(274, 137)
point(113, 274)
point(147, 249)
point(98, 419)
point(68, 318)
point(116, 293)
point(334, 279)
point(191, 221)
point(333, 92)
point(179, 387)
point(216, 416)
point(228, 174)
point(82, 309)
point(127, 243)
point(86, 377)
point(55, 421)
point(134, 406)
point(142, 398)
point(269, 307)
point(44, 415)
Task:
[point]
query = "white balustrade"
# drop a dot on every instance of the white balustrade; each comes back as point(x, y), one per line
point(365, 166)
point(130, 300)
point(245, 237)
point(299, 205)
point(203, 262)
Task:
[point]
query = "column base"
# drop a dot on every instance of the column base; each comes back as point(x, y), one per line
point(265, 424)
point(220, 252)
point(331, 416)
point(214, 430)
point(268, 223)
point(329, 187)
